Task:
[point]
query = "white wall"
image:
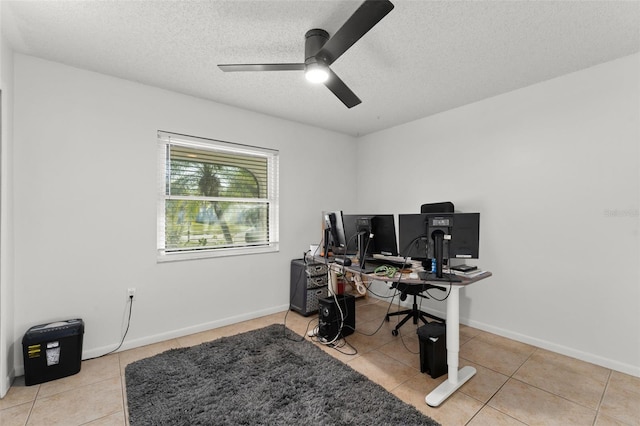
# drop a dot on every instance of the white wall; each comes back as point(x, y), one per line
point(85, 207)
point(6, 219)
point(553, 170)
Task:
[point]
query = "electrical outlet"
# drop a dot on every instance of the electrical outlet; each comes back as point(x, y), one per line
point(131, 292)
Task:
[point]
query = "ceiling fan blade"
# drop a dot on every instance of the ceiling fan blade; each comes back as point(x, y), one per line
point(261, 67)
point(341, 90)
point(363, 19)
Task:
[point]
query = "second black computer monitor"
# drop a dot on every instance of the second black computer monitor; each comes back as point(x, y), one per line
point(463, 229)
point(383, 228)
point(439, 236)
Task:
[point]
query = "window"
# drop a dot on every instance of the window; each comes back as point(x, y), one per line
point(215, 198)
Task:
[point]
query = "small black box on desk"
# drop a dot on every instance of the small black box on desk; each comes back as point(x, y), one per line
point(52, 351)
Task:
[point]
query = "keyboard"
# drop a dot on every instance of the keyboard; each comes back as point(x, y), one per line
point(396, 259)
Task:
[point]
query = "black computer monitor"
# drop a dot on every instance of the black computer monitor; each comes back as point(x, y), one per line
point(383, 228)
point(439, 236)
point(334, 230)
point(413, 236)
point(465, 236)
point(351, 231)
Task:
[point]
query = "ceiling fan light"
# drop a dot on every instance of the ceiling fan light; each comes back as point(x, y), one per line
point(316, 73)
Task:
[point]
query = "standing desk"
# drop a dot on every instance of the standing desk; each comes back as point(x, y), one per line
point(456, 377)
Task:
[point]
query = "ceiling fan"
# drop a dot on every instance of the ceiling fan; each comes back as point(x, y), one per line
point(320, 51)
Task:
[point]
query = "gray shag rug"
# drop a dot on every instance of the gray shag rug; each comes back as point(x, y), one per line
point(262, 377)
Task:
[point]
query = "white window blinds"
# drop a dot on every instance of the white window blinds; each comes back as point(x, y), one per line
point(216, 198)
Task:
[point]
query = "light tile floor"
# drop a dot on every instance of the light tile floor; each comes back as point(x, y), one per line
point(515, 384)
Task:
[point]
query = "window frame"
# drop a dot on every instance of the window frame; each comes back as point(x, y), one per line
point(165, 140)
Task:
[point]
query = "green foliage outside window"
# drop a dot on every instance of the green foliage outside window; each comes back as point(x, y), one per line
point(215, 199)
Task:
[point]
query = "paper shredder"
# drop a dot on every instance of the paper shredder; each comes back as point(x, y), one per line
point(52, 351)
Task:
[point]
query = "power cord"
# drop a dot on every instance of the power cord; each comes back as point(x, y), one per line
point(445, 297)
point(123, 336)
point(384, 319)
point(385, 271)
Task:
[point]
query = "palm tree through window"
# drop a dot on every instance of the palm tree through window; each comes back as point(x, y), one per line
point(217, 197)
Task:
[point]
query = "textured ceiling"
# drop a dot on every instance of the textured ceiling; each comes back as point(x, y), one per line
point(423, 58)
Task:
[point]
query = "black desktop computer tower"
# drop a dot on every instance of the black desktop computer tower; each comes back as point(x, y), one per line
point(309, 283)
point(330, 317)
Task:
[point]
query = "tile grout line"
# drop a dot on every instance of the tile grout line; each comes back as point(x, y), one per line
point(561, 396)
point(604, 392)
point(124, 391)
point(33, 404)
point(486, 404)
point(556, 395)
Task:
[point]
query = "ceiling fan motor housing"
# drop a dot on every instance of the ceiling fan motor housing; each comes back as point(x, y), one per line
point(320, 51)
point(314, 40)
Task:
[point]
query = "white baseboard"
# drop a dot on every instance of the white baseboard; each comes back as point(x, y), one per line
point(6, 382)
point(632, 370)
point(171, 334)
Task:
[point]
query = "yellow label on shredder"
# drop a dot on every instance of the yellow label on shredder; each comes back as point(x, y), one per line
point(33, 351)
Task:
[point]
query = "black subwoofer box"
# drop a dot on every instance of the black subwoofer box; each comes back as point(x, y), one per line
point(334, 322)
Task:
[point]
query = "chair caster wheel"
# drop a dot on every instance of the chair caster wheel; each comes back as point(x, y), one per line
point(387, 318)
point(394, 332)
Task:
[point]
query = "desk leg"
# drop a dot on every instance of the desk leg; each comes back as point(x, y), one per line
point(455, 378)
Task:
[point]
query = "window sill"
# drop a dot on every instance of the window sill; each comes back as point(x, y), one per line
point(208, 254)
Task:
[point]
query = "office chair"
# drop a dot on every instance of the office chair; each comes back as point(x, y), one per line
point(414, 313)
point(416, 290)
point(443, 207)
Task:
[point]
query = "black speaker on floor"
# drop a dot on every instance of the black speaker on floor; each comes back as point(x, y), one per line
point(334, 322)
